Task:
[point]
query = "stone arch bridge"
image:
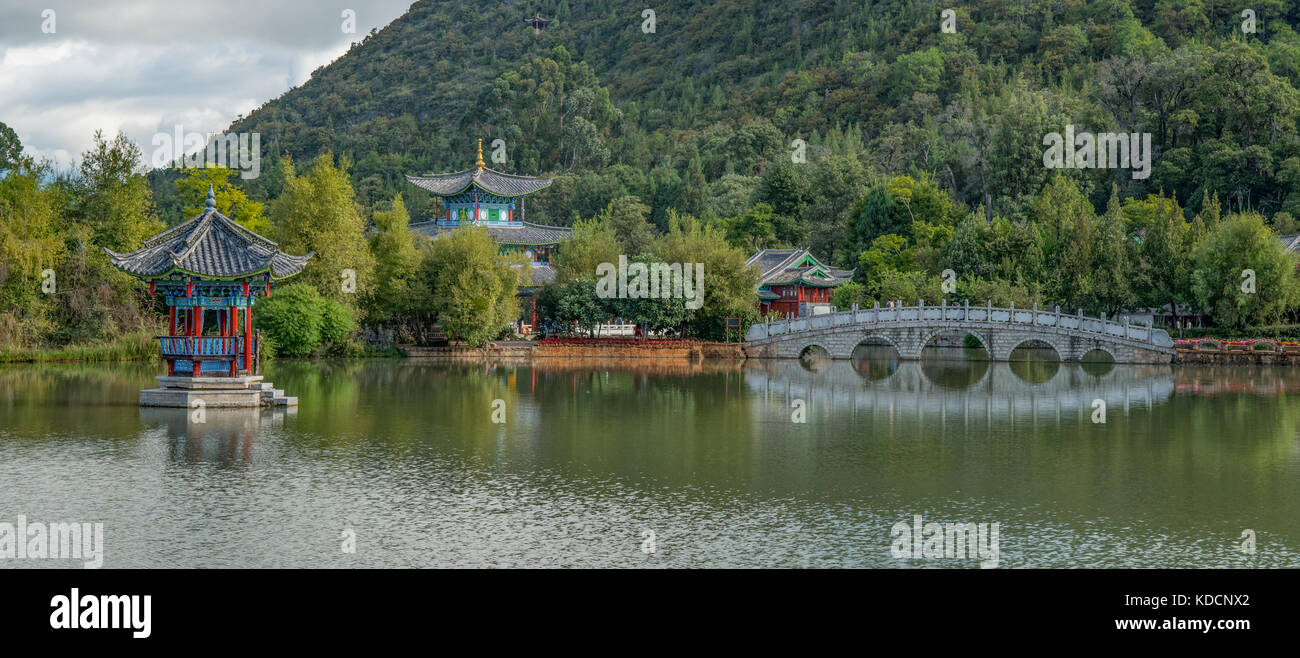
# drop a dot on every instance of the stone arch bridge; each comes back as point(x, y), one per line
point(910, 328)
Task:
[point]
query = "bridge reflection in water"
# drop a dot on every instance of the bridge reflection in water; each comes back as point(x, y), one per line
point(959, 385)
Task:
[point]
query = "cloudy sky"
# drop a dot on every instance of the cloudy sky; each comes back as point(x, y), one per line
point(145, 66)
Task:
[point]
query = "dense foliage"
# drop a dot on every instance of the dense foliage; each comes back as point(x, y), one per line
point(299, 321)
point(859, 129)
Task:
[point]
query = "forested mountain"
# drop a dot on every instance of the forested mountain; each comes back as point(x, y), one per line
point(894, 137)
point(699, 114)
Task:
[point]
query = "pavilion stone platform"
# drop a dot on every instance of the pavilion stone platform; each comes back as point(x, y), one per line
point(215, 392)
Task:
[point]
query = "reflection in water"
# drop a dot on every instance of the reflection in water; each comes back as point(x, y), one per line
point(1097, 363)
point(1034, 362)
point(814, 358)
point(708, 455)
point(874, 362)
point(958, 368)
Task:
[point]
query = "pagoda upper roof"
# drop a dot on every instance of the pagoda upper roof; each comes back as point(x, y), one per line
point(210, 245)
point(490, 180)
point(791, 266)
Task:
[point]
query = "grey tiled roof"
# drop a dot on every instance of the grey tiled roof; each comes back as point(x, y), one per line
point(1290, 242)
point(524, 233)
point(777, 267)
point(210, 245)
point(496, 182)
point(543, 274)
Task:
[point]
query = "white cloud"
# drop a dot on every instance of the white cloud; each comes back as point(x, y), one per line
point(151, 65)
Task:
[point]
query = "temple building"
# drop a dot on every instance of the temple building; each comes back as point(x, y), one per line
point(210, 272)
point(794, 283)
point(481, 196)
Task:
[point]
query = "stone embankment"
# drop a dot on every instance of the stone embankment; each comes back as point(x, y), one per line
point(1208, 351)
point(688, 350)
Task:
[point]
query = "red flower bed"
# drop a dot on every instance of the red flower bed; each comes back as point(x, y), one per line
point(1253, 341)
point(609, 341)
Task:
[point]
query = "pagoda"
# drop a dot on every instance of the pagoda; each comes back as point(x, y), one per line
point(210, 272)
point(481, 196)
point(794, 283)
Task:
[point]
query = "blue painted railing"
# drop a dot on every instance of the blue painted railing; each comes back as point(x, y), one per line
point(216, 346)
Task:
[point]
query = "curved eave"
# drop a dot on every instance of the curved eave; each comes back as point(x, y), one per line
point(271, 270)
point(475, 179)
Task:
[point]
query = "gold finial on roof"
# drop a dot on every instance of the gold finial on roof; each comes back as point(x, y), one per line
point(479, 164)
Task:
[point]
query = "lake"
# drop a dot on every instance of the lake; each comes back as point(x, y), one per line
point(666, 464)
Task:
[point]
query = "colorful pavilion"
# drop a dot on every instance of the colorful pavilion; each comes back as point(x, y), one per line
point(210, 271)
point(793, 282)
point(481, 196)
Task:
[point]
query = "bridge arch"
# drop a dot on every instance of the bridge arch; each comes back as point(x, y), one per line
point(1046, 339)
point(881, 337)
point(1104, 349)
point(977, 333)
point(812, 347)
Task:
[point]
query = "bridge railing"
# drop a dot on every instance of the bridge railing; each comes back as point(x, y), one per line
point(1010, 316)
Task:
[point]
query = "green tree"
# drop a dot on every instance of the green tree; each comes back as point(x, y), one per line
point(849, 294)
point(574, 302)
point(593, 242)
point(300, 322)
point(628, 217)
point(316, 213)
point(192, 188)
point(888, 253)
point(1163, 268)
point(29, 245)
point(115, 200)
point(10, 148)
point(397, 258)
point(1239, 249)
point(470, 285)
point(729, 283)
point(1113, 261)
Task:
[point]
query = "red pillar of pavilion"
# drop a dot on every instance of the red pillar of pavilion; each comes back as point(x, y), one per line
point(248, 339)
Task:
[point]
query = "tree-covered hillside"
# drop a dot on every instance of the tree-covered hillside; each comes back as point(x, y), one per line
point(694, 115)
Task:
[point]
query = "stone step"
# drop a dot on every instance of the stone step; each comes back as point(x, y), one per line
point(209, 383)
point(282, 401)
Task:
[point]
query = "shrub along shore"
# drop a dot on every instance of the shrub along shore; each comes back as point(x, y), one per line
point(136, 346)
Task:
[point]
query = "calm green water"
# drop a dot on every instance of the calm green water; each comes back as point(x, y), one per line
point(591, 457)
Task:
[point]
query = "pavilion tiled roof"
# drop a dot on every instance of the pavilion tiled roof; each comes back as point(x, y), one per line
point(491, 180)
point(781, 267)
point(209, 245)
point(524, 233)
point(1290, 242)
point(542, 274)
